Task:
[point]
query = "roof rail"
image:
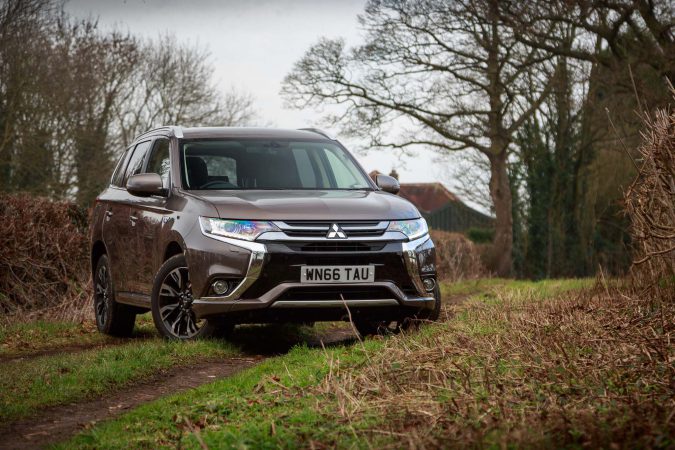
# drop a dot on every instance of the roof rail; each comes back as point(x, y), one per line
point(176, 130)
point(318, 131)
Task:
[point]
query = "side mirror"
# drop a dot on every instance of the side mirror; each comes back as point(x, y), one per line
point(388, 184)
point(145, 185)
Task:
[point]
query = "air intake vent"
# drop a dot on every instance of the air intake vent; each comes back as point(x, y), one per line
point(320, 228)
point(337, 246)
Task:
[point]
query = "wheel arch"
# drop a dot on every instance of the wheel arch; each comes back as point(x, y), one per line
point(173, 248)
point(97, 250)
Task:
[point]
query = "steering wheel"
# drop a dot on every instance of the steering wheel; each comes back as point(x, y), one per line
point(215, 182)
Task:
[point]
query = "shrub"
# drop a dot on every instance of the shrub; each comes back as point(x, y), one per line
point(481, 235)
point(650, 205)
point(456, 256)
point(43, 262)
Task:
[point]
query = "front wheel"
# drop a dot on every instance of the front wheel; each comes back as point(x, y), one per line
point(172, 299)
point(111, 317)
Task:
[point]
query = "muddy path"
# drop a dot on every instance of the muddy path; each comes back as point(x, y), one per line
point(58, 423)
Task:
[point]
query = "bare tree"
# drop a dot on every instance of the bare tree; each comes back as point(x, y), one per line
point(450, 75)
point(73, 96)
point(173, 84)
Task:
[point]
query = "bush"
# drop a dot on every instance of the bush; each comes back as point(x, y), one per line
point(650, 205)
point(456, 256)
point(481, 235)
point(43, 262)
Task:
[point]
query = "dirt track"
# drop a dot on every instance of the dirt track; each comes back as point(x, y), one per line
point(58, 423)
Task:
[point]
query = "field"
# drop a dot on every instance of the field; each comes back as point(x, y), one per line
point(566, 363)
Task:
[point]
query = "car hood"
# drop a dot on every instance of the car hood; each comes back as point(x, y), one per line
point(309, 205)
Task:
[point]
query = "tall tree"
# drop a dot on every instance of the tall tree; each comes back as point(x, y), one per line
point(451, 74)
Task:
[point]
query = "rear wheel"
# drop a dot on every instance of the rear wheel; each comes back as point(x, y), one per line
point(372, 327)
point(382, 328)
point(111, 317)
point(172, 299)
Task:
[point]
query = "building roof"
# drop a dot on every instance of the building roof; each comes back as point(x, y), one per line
point(427, 197)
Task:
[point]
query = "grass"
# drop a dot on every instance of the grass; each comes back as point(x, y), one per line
point(521, 364)
point(26, 386)
point(26, 338)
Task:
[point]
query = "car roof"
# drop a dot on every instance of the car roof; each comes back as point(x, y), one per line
point(238, 132)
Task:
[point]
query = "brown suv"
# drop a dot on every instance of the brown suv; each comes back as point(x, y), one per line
point(212, 227)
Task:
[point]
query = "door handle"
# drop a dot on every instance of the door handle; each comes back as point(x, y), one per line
point(108, 214)
point(133, 220)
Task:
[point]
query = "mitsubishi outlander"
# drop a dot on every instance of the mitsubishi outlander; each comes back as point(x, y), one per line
point(213, 227)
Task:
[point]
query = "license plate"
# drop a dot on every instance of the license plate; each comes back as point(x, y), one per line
point(337, 274)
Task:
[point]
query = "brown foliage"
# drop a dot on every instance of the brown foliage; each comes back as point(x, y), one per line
point(43, 261)
point(650, 205)
point(516, 369)
point(457, 257)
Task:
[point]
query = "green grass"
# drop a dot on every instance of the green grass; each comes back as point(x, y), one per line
point(289, 400)
point(24, 338)
point(262, 407)
point(29, 385)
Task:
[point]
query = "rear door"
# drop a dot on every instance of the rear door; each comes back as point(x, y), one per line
point(120, 226)
point(150, 214)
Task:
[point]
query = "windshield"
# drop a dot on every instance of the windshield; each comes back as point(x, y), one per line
point(265, 164)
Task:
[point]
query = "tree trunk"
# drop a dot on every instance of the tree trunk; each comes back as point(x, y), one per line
point(501, 198)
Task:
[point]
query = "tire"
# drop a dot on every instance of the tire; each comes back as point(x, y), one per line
point(171, 303)
point(435, 313)
point(371, 327)
point(112, 318)
point(382, 328)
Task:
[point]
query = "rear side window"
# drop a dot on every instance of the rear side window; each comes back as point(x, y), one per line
point(159, 162)
point(135, 165)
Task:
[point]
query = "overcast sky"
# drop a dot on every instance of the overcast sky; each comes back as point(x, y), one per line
point(253, 46)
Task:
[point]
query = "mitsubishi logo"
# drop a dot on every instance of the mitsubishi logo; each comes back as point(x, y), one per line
point(336, 232)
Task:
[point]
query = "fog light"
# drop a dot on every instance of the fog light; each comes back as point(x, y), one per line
point(220, 287)
point(429, 284)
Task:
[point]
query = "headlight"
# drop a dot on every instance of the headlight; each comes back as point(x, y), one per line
point(412, 228)
point(238, 229)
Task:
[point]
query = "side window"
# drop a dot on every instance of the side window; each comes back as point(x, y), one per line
point(159, 161)
point(136, 161)
point(118, 174)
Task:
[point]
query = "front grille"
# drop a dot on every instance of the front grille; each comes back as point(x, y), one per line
point(337, 246)
point(337, 293)
point(296, 228)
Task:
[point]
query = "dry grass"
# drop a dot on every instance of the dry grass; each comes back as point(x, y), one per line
point(593, 369)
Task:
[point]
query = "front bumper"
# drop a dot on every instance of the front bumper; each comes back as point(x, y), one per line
point(270, 287)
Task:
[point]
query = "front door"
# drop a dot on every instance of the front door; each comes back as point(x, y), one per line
point(150, 215)
point(126, 253)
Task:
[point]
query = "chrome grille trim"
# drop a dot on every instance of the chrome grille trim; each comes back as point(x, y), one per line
point(305, 229)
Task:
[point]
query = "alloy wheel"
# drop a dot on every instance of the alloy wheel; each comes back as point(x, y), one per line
point(175, 305)
point(102, 295)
